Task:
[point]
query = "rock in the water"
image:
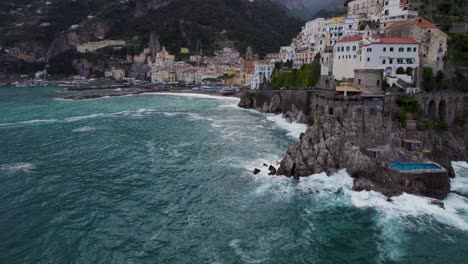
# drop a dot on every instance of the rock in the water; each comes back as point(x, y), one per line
point(256, 171)
point(438, 203)
point(272, 170)
point(361, 184)
point(265, 165)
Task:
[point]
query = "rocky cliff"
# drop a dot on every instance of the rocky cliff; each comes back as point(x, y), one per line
point(363, 138)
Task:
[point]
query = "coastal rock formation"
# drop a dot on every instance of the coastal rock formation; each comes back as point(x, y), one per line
point(362, 137)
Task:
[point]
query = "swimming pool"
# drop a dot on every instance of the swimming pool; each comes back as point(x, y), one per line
point(412, 166)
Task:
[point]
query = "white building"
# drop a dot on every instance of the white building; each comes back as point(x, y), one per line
point(347, 57)
point(351, 26)
point(313, 29)
point(326, 62)
point(263, 72)
point(365, 8)
point(286, 53)
point(93, 46)
point(396, 10)
point(333, 30)
point(387, 54)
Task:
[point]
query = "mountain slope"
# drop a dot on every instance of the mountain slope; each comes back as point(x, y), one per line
point(309, 9)
point(193, 24)
point(204, 23)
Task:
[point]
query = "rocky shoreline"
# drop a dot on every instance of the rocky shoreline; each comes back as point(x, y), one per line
point(364, 139)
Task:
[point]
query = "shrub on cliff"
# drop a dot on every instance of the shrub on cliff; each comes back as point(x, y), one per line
point(407, 105)
point(307, 76)
point(428, 79)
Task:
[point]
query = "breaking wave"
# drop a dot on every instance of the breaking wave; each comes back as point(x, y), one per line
point(294, 129)
point(85, 129)
point(23, 167)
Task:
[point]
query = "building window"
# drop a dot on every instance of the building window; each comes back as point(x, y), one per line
point(330, 110)
point(414, 49)
point(378, 82)
point(354, 48)
point(390, 61)
point(369, 49)
point(408, 49)
point(401, 49)
point(368, 59)
point(359, 81)
point(348, 48)
point(384, 61)
point(384, 49)
point(391, 49)
point(372, 112)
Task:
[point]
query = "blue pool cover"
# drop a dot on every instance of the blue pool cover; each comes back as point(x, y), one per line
point(411, 166)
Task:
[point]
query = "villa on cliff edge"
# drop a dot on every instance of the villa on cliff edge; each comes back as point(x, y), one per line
point(369, 113)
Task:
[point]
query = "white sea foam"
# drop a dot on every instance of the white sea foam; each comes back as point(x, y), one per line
point(170, 114)
point(294, 129)
point(23, 167)
point(394, 218)
point(195, 95)
point(31, 122)
point(460, 182)
point(85, 129)
point(235, 244)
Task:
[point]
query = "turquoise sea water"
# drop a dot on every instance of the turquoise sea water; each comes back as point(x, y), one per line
point(167, 179)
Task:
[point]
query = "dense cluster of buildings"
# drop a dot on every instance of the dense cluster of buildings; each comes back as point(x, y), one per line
point(225, 66)
point(378, 40)
point(385, 36)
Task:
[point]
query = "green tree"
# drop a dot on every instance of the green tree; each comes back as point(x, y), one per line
point(428, 79)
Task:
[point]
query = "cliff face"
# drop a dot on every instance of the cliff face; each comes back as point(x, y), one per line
point(363, 138)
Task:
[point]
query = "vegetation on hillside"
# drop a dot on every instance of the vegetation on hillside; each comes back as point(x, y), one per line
point(409, 108)
point(305, 77)
point(445, 13)
point(201, 25)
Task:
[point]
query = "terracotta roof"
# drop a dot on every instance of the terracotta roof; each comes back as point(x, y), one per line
point(348, 39)
point(398, 41)
point(420, 22)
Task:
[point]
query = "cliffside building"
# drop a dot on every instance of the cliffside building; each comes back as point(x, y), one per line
point(286, 53)
point(433, 41)
point(376, 52)
point(262, 74)
point(93, 46)
point(365, 8)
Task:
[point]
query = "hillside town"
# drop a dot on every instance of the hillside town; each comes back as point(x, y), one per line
point(375, 44)
point(383, 41)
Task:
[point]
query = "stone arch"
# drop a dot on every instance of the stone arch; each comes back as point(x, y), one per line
point(443, 110)
point(431, 109)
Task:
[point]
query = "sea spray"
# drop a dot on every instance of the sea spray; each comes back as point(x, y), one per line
point(294, 129)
